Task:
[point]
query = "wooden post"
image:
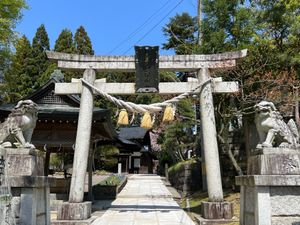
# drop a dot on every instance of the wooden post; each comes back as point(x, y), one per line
point(90, 182)
point(209, 139)
point(83, 136)
point(127, 64)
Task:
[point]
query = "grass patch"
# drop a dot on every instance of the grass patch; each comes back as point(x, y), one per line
point(200, 196)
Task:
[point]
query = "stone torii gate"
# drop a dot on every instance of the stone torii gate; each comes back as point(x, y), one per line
point(200, 63)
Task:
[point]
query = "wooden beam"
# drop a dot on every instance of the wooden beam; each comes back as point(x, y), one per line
point(58, 56)
point(127, 63)
point(129, 88)
point(179, 66)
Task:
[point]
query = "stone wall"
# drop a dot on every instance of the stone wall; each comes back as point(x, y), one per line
point(186, 177)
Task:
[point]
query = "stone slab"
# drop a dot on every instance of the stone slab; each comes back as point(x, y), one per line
point(33, 206)
point(74, 211)
point(270, 199)
point(144, 210)
point(274, 164)
point(217, 210)
point(20, 151)
point(73, 222)
point(127, 63)
point(129, 88)
point(286, 221)
point(23, 161)
point(277, 150)
point(27, 181)
point(202, 221)
point(268, 180)
point(285, 201)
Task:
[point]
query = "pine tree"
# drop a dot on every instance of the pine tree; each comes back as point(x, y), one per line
point(82, 42)
point(40, 44)
point(18, 82)
point(65, 43)
point(181, 33)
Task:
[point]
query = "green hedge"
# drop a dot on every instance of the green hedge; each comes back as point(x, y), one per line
point(113, 180)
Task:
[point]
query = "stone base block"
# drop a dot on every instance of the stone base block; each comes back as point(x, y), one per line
point(29, 204)
point(269, 199)
point(217, 210)
point(274, 161)
point(285, 221)
point(23, 162)
point(73, 222)
point(74, 211)
point(202, 221)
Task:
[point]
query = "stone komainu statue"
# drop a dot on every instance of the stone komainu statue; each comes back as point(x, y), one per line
point(272, 130)
point(18, 127)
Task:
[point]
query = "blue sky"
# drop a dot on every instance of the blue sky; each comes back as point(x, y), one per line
point(114, 26)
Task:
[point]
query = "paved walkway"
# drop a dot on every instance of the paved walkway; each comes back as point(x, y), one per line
point(145, 200)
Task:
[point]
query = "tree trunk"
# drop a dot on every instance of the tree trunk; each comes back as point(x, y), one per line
point(227, 148)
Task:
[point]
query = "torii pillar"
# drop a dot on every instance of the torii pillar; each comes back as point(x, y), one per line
point(216, 208)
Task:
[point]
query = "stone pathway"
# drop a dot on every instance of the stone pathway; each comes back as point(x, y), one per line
point(145, 200)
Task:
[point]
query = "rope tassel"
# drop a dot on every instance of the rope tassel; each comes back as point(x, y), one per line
point(168, 114)
point(146, 121)
point(123, 117)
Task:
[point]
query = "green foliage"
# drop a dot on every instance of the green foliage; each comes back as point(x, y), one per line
point(64, 42)
point(40, 44)
point(105, 156)
point(177, 136)
point(113, 180)
point(181, 34)
point(83, 44)
point(178, 166)
point(227, 25)
point(56, 161)
point(10, 14)
point(18, 81)
point(270, 31)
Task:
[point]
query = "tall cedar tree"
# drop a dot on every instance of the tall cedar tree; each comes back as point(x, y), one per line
point(65, 43)
point(40, 44)
point(83, 44)
point(18, 82)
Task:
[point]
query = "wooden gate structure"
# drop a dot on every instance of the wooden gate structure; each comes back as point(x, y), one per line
point(203, 64)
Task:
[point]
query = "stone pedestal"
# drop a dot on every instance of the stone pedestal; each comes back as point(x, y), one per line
point(24, 162)
point(274, 161)
point(216, 213)
point(217, 210)
point(270, 194)
point(74, 214)
point(29, 189)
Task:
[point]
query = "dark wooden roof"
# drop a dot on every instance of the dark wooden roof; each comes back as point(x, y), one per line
point(133, 133)
point(58, 116)
point(136, 135)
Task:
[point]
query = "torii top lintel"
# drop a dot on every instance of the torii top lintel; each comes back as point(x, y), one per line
point(127, 63)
